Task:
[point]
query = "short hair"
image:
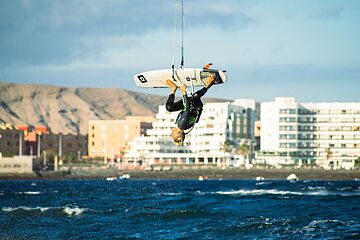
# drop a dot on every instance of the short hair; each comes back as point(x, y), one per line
point(179, 137)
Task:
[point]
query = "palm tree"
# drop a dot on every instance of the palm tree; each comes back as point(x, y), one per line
point(244, 151)
point(122, 154)
point(226, 147)
point(328, 153)
point(357, 163)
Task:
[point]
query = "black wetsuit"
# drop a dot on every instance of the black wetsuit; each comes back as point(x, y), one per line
point(191, 108)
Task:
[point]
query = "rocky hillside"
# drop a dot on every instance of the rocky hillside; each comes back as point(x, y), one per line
point(68, 110)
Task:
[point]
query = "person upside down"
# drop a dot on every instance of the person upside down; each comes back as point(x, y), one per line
point(191, 108)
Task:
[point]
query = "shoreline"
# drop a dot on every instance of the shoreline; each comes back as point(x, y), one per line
point(267, 174)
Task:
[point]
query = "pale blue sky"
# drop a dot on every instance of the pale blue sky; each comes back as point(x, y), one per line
point(305, 49)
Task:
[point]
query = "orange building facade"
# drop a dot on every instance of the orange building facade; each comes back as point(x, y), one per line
point(110, 138)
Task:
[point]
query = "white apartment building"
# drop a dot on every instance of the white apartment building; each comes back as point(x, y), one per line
point(219, 122)
point(325, 134)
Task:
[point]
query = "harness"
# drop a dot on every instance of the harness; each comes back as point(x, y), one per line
point(197, 111)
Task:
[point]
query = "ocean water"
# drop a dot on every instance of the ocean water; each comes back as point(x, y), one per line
point(179, 209)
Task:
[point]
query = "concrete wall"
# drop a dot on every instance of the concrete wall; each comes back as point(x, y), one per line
point(16, 164)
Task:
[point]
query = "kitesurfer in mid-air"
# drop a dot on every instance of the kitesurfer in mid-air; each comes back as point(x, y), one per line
point(191, 108)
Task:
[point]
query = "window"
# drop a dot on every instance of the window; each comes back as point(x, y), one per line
point(322, 111)
point(282, 119)
point(335, 111)
point(322, 119)
point(283, 145)
point(333, 128)
point(291, 136)
point(334, 120)
point(283, 128)
point(287, 111)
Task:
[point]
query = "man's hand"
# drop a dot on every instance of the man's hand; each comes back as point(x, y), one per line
point(172, 85)
point(210, 81)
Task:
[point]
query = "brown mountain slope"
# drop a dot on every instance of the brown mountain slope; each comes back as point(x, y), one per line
point(68, 110)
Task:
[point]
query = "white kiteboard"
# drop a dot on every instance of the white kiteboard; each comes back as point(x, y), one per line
point(189, 76)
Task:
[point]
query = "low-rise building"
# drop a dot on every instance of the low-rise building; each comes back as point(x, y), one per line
point(25, 140)
point(10, 139)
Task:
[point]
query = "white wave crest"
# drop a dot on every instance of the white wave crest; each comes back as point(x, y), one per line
point(70, 211)
point(344, 189)
point(30, 193)
point(257, 192)
point(323, 221)
point(10, 209)
point(171, 194)
point(73, 211)
point(325, 224)
point(281, 192)
point(316, 188)
point(262, 183)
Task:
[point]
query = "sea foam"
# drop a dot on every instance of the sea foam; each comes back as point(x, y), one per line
point(281, 192)
point(73, 211)
point(10, 209)
point(70, 211)
point(30, 193)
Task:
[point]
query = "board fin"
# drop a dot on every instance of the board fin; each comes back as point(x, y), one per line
point(207, 66)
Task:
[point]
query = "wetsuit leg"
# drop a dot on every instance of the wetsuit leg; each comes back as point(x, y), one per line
point(172, 106)
point(197, 103)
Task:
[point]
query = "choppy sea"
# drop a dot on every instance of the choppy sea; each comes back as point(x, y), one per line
point(179, 209)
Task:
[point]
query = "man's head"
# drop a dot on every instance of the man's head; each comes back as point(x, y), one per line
point(178, 136)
